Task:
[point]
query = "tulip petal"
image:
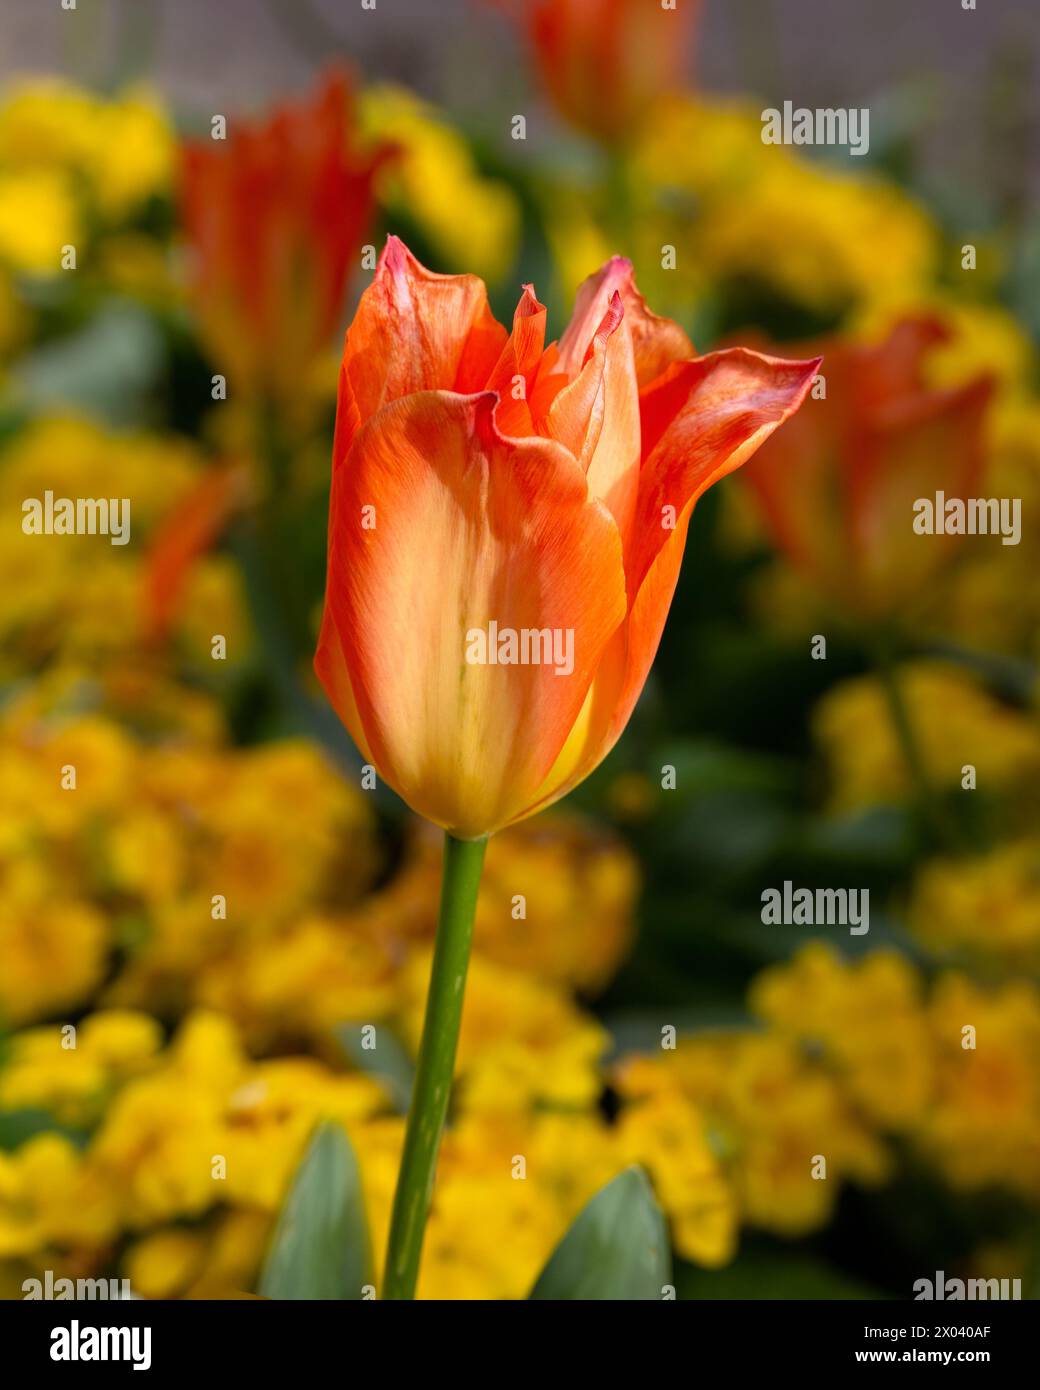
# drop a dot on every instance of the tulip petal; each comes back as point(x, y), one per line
point(471, 527)
point(597, 418)
point(591, 305)
point(656, 342)
point(415, 330)
point(519, 362)
point(331, 667)
point(702, 420)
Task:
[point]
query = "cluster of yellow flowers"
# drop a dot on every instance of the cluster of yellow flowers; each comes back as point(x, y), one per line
point(159, 872)
point(81, 600)
point(196, 1144)
point(738, 212)
point(168, 855)
point(74, 163)
point(854, 1056)
point(957, 722)
point(983, 909)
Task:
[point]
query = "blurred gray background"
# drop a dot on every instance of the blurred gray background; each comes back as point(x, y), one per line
point(963, 83)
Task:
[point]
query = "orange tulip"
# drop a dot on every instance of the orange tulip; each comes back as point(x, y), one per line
point(837, 488)
point(507, 523)
point(605, 63)
point(274, 216)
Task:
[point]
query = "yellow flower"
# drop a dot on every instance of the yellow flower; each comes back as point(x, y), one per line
point(78, 458)
point(102, 759)
point(164, 1263)
point(788, 1116)
point(38, 219)
point(984, 1128)
point(865, 1018)
point(472, 222)
point(271, 1115)
point(121, 149)
point(43, 1072)
point(121, 1040)
point(575, 886)
point(188, 1130)
point(986, 908)
point(162, 1140)
point(47, 123)
point(488, 1236)
point(54, 954)
point(133, 154)
point(79, 596)
point(145, 853)
point(302, 981)
point(740, 212)
point(956, 722)
point(51, 1196)
point(267, 863)
point(822, 239)
point(707, 147)
point(669, 1137)
point(771, 1115)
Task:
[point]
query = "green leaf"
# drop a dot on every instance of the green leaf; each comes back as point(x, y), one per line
point(320, 1247)
point(388, 1062)
point(617, 1247)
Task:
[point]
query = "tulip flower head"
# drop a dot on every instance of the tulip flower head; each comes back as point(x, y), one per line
point(605, 63)
point(506, 526)
point(274, 215)
point(837, 489)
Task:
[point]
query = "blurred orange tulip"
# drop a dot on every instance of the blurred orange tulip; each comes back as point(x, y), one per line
point(187, 533)
point(605, 62)
point(275, 215)
point(837, 488)
point(507, 523)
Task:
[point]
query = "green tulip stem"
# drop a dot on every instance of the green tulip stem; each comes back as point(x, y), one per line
point(463, 861)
